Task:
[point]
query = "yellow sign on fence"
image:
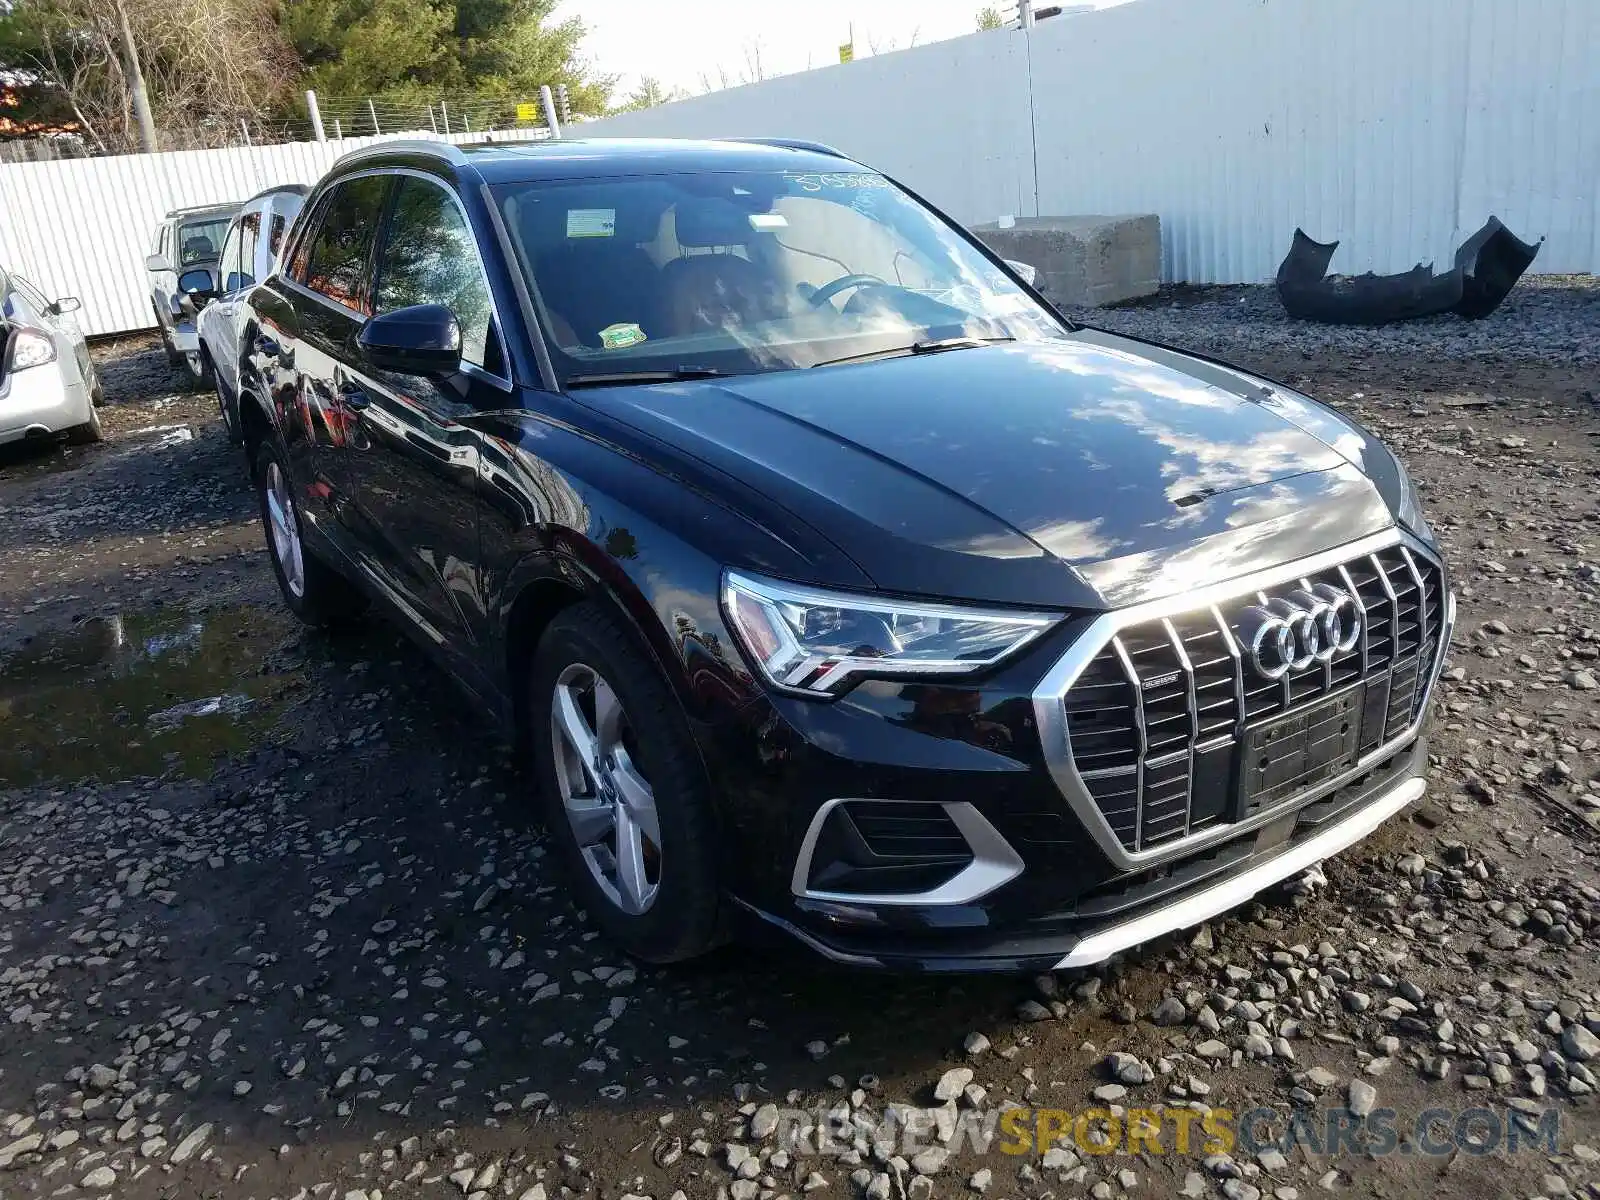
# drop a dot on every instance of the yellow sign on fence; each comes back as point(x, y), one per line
point(527, 112)
point(847, 51)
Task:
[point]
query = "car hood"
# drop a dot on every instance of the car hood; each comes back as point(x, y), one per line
point(1092, 472)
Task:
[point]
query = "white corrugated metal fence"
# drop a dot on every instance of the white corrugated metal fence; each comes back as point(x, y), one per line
point(82, 226)
point(1396, 126)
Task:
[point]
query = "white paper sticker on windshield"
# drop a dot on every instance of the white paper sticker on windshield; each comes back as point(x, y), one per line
point(768, 221)
point(591, 222)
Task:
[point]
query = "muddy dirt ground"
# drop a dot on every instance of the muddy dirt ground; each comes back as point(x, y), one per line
point(276, 919)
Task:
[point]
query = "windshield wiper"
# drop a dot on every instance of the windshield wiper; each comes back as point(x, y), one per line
point(617, 378)
point(932, 346)
point(955, 343)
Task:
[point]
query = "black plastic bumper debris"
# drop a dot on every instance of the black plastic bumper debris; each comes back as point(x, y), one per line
point(1486, 267)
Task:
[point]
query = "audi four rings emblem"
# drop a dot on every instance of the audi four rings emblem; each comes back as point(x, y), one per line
point(1292, 631)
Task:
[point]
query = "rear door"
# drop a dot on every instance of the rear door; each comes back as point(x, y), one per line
point(413, 463)
point(326, 290)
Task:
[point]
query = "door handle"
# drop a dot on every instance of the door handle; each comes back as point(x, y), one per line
point(354, 395)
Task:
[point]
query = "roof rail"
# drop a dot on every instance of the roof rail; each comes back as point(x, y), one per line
point(196, 208)
point(448, 151)
point(792, 144)
point(299, 189)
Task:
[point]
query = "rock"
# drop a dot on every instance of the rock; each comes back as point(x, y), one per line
point(186, 1149)
point(1108, 1093)
point(101, 1078)
point(878, 1188)
point(1194, 1185)
point(982, 1179)
point(975, 1045)
point(1170, 1012)
point(1578, 1043)
point(1363, 1097)
point(101, 1179)
point(1032, 1010)
point(1212, 1049)
point(764, 1121)
point(951, 1083)
point(1129, 1069)
point(817, 1050)
point(1582, 681)
point(1238, 1189)
point(930, 1161)
point(1272, 1159)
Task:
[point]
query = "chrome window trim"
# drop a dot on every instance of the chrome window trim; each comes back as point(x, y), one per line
point(1050, 695)
point(993, 864)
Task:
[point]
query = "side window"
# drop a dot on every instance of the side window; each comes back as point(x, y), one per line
point(249, 228)
point(337, 264)
point(280, 226)
point(430, 257)
point(228, 261)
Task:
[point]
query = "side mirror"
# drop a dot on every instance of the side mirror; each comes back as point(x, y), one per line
point(66, 304)
point(157, 262)
point(421, 340)
point(1027, 272)
point(197, 283)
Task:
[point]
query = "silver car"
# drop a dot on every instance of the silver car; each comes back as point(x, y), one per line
point(250, 250)
point(47, 383)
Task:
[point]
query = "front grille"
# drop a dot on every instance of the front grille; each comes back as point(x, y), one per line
point(1159, 718)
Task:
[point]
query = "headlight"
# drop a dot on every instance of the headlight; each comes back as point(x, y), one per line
point(815, 643)
point(30, 348)
point(1410, 514)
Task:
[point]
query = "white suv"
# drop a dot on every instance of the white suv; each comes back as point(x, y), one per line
point(249, 254)
point(183, 253)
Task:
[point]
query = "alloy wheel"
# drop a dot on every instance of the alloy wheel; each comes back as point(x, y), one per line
point(608, 801)
point(284, 525)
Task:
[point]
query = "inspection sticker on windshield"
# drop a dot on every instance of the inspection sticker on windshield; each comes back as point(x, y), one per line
point(621, 336)
point(591, 222)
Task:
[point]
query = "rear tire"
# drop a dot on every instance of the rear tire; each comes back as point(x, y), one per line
point(174, 358)
point(314, 591)
point(640, 779)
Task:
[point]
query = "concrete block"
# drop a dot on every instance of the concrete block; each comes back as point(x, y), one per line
point(1084, 260)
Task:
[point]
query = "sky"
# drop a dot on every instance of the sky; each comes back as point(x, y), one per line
point(687, 43)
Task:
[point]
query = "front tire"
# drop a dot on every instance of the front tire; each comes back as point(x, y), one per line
point(625, 794)
point(89, 432)
point(314, 591)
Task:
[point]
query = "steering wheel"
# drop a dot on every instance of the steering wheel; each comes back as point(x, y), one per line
point(842, 284)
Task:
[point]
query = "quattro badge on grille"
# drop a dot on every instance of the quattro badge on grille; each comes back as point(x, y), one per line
point(1292, 631)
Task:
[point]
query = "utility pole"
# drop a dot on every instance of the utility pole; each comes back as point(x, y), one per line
point(136, 92)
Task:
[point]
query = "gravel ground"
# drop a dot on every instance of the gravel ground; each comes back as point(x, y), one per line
point(275, 919)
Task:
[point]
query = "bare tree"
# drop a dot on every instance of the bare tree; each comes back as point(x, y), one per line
point(207, 64)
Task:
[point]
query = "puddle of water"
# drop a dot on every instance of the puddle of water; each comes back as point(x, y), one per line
point(139, 694)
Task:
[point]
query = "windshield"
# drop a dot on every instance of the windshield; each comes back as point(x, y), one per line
point(199, 240)
point(734, 272)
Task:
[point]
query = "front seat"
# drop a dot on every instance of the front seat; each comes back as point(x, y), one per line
point(722, 289)
point(196, 248)
point(598, 283)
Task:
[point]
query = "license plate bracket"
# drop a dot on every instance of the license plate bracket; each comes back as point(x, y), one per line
point(1298, 750)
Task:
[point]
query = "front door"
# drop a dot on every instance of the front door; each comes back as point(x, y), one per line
point(412, 460)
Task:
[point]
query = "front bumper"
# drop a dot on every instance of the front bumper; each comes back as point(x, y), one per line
point(1013, 865)
point(1112, 918)
point(39, 401)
